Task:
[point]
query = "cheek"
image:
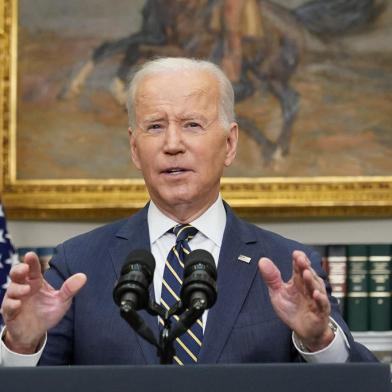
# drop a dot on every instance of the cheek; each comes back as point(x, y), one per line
point(214, 156)
point(211, 167)
point(144, 157)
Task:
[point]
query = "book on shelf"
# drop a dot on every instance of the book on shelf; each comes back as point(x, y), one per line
point(357, 288)
point(380, 287)
point(337, 273)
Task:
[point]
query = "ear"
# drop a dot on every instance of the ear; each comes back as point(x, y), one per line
point(231, 144)
point(133, 146)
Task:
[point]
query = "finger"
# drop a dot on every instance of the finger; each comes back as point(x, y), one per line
point(322, 302)
point(270, 273)
point(316, 292)
point(72, 285)
point(32, 260)
point(18, 291)
point(301, 263)
point(19, 272)
point(301, 260)
point(312, 280)
point(310, 283)
point(10, 308)
point(297, 277)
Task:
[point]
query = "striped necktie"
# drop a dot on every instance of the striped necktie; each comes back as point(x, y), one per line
point(188, 345)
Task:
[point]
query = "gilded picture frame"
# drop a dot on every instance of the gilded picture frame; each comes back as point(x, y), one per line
point(99, 199)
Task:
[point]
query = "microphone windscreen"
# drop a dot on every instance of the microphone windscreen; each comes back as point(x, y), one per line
point(142, 257)
point(200, 256)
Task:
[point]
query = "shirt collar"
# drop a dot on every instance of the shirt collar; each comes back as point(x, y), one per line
point(211, 223)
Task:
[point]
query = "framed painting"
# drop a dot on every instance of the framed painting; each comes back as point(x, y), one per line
point(313, 102)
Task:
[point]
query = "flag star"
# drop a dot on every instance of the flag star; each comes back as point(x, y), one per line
point(6, 284)
point(12, 260)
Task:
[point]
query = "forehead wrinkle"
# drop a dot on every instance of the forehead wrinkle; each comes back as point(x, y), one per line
point(208, 92)
point(196, 92)
point(204, 101)
point(205, 95)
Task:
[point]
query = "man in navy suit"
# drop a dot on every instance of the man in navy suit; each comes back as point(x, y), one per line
point(182, 134)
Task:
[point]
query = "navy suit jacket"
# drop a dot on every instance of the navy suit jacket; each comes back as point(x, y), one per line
point(242, 327)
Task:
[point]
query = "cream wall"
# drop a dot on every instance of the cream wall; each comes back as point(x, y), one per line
point(311, 232)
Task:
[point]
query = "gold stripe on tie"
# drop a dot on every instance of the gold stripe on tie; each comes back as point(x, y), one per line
point(170, 290)
point(182, 229)
point(195, 338)
point(178, 257)
point(173, 272)
point(165, 304)
point(186, 349)
point(178, 360)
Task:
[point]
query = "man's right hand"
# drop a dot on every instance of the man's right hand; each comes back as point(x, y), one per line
point(31, 305)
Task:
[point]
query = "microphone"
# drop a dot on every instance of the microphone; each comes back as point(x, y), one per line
point(136, 276)
point(199, 281)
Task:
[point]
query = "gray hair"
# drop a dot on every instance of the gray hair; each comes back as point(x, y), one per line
point(178, 64)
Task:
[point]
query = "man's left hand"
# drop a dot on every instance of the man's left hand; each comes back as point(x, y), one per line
point(301, 303)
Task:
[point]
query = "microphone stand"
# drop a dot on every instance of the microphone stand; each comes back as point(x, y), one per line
point(165, 345)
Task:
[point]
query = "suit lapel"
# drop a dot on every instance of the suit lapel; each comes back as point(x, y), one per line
point(134, 235)
point(234, 280)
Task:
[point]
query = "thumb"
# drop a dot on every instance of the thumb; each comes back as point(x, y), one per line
point(72, 285)
point(270, 274)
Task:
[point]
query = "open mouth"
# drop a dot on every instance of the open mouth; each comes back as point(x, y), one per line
point(175, 170)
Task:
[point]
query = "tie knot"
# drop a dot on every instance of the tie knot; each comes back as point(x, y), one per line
point(184, 232)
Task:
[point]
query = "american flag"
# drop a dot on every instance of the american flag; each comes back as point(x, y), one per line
point(8, 256)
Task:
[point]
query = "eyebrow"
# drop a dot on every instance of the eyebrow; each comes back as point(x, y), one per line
point(192, 116)
point(181, 117)
point(154, 118)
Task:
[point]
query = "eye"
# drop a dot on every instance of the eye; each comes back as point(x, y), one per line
point(154, 127)
point(192, 124)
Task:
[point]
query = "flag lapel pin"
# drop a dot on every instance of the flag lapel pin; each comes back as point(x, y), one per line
point(245, 259)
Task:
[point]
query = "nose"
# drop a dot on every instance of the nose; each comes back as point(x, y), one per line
point(173, 139)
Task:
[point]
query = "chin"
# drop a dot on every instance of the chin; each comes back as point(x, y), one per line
point(177, 197)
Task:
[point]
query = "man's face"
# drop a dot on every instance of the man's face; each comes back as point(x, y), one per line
point(179, 143)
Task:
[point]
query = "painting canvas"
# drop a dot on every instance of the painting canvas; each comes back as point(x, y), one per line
point(313, 87)
point(328, 86)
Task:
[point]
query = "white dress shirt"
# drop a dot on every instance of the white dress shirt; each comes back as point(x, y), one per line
point(211, 226)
